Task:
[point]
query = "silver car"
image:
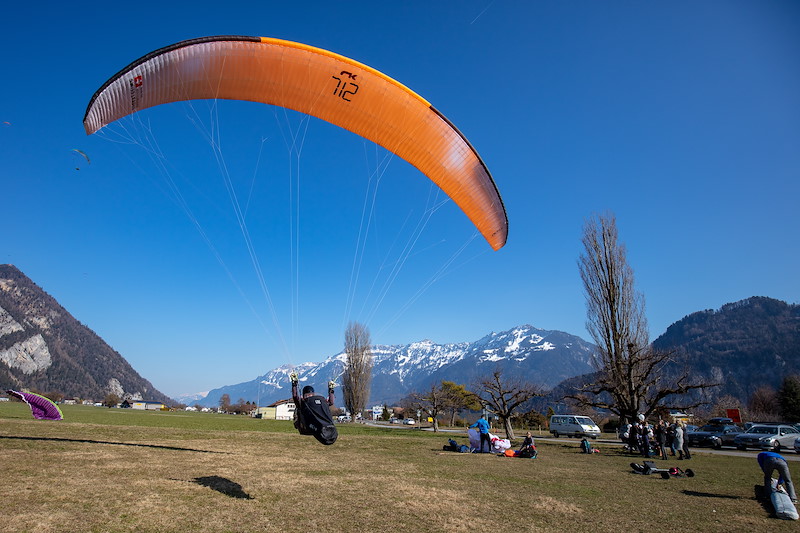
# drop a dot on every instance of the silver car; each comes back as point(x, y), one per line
point(773, 437)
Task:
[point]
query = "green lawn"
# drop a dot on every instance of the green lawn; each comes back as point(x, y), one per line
point(109, 470)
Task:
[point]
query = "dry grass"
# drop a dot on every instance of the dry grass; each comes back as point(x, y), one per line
point(113, 471)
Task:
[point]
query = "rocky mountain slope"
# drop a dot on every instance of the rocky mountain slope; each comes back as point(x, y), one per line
point(43, 347)
point(742, 345)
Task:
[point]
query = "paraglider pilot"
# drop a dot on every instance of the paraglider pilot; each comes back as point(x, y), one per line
point(312, 415)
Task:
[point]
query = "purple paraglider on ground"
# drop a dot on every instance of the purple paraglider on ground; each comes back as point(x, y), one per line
point(42, 408)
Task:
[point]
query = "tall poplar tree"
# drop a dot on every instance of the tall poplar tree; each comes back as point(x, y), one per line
point(631, 376)
point(357, 368)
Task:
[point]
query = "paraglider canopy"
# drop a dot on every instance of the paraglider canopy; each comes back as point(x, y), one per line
point(320, 83)
point(80, 154)
point(42, 408)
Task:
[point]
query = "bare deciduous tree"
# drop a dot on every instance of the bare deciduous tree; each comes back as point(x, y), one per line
point(432, 402)
point(764, 404)
point(504, 396)
point(630, 373)
point(357, 368)
point(225, 403)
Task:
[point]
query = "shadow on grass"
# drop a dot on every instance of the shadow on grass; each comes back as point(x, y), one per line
point(90, 441)
point(763, 497)
point(223, 485)
point(710, 495)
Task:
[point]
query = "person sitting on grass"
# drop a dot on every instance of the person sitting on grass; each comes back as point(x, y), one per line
point(586, 446)
point(527, 441)
point(312, 415)
point(528, 448)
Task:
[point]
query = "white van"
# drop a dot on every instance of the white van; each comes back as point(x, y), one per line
point(573, 426)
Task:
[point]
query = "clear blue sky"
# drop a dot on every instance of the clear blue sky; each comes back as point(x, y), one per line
point(683, 118)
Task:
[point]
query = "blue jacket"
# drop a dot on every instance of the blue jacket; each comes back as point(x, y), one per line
point(763, 456)
point(482, 425)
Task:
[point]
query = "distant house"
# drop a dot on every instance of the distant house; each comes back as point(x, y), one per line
point(144, 405)
point(280, 410)
point(679, 416)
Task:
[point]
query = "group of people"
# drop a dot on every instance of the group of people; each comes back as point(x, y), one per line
point(527, 449)
point(650, 440)
point(313, 417)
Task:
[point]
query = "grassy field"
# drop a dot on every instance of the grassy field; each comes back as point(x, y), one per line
point(110, 470)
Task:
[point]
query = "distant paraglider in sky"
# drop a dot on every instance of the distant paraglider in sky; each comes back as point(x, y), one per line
point(42, 408)
point(320, 83)
point(80, 154)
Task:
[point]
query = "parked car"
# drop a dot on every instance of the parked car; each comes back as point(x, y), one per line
point(573, 426)
point(720, 421)
point(714, 435)
point(767, 437)
point(797, 445)
point(409, 422)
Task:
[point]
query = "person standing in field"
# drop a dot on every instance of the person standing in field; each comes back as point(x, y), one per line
point(671, 438)
point(686, 454)
point(677, 441)
point(644, 436)
point(661, 438)
point(633, 438)
point(483, 429)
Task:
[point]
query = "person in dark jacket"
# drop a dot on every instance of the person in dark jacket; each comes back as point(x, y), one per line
point(633, 438)
point(528, 448)
point(771, 461)
point(527, 441)
point(644, 436)
point(312, 415)
point(671, 439)
point(686, 454)
point(661, 438)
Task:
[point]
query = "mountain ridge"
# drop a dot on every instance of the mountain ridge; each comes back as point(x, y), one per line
point(401, 369)
point(742, 345)
point(43, 347)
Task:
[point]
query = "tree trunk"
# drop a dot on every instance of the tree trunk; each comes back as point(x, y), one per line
point(508, 428)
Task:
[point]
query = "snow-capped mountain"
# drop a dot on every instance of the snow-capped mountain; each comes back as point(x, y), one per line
point(190, 398)
point(542, 357)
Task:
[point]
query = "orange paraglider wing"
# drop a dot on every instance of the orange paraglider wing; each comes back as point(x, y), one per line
point(320, 83)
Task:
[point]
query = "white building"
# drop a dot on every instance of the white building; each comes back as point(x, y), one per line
point(144, 405)
point(280, 410)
